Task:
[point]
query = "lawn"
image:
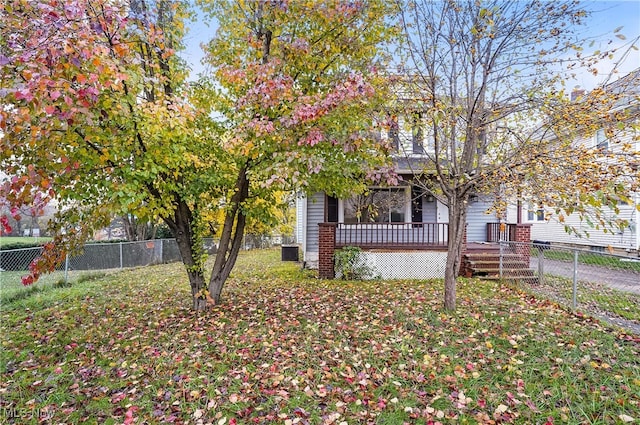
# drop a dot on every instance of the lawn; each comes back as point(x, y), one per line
point(286, 348)
point(591, 258)
point(22, 240)
point(592, 297)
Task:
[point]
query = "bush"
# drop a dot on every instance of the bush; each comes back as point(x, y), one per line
point(163, 232)
point(350, 264)
point(20, 244)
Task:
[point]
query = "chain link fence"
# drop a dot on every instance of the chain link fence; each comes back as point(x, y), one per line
point(602, 284)
point(97, 259)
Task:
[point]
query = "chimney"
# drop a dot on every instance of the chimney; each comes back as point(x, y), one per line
point(576, 93)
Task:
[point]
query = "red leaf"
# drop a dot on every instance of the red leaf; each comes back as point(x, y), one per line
point(118, 397)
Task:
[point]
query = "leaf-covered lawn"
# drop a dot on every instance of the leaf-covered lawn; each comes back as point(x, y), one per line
point(286, 348)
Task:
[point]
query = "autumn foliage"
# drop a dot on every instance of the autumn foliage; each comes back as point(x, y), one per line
point(98, 115)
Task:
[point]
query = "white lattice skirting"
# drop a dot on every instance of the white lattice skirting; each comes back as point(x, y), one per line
point(406, 264)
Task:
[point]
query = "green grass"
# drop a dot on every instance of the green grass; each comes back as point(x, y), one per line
point(592, 259)
point(286, 348)
point(27, 241)
point(12, 289)
point(592, 297)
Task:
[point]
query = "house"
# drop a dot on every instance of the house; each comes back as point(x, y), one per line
point(547, 226)
point(403, 230)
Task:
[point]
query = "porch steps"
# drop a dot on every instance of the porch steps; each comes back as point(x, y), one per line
point(484, 262)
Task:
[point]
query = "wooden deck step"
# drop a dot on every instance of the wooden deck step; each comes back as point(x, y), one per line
point(483, 261)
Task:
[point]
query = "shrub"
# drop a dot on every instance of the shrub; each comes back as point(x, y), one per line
point(350, 264)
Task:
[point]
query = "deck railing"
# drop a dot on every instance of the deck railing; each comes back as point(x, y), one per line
point(392, 235)
point(497, 232)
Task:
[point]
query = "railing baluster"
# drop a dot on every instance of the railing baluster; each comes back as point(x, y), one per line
point(397, 235)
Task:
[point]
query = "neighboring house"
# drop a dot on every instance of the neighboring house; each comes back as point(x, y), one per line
point(547, 227)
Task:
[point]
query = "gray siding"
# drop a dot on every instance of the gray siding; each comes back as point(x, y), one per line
point(477, 220)
point(315, 215)
point(429, 211)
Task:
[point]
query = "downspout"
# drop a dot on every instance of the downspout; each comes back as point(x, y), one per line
point(519, 211)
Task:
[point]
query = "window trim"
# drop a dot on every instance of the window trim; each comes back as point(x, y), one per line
point(537, 214)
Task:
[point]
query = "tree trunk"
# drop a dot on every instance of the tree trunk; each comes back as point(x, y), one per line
point(231, 238)
point(137, 231)
point(181, 225)
point(457, 223)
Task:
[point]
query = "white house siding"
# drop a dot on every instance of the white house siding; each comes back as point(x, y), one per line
point(629, 239)
point(315, 215)
point(588, 236)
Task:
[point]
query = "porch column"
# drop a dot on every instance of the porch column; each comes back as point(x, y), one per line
point(523, 240)
point(326, 248)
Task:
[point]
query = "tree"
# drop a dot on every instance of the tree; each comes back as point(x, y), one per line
point(487, 79)
point(88, 88)
point(296, 86)
point(98, 115)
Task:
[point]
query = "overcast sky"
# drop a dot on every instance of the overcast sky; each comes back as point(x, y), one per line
point(608, 15)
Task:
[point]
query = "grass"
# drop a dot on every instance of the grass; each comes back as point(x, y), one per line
point(287, 348)
point(593, 259)
point(12, 289)
point(26, 240)
point(592, 297)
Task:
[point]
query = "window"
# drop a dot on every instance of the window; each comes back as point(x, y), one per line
point(535, 213)
point(417, 135)
point(394, 132)
point(602, 142)
point(377, 206)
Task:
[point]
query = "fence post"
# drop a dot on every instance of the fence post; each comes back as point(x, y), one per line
point(575, 279)
point(161, 252)
point(66, 268)
point(540, 265)
point(501, 258)
point(121, 263)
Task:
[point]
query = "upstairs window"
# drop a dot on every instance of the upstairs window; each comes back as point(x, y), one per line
point(417, 133)
point(394, 132)
point(602, 142)
point(535, 213)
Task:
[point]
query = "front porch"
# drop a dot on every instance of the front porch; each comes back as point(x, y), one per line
point(405, 237)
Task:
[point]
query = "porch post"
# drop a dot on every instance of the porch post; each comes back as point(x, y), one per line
point(326, 248)
point(523, 240)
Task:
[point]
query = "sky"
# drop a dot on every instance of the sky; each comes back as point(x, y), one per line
point(607, 17)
